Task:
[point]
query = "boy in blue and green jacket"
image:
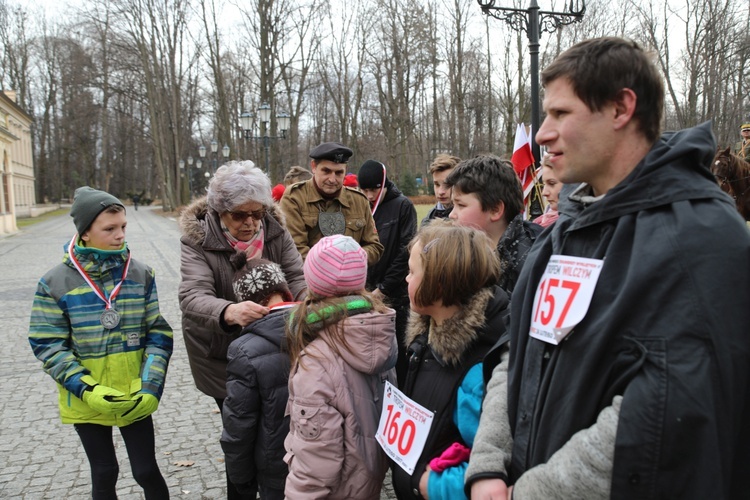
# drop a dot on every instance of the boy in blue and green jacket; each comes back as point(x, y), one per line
point(96, 327)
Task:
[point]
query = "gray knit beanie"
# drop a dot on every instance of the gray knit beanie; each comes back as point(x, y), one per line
point(88, 203)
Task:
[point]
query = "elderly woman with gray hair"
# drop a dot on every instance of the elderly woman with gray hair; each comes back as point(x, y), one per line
point(237, 215)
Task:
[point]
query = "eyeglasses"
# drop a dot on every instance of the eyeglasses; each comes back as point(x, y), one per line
point(242, 216)
point(746, 130)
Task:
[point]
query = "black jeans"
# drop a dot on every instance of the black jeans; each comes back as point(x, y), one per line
point(139, 442)
point(232, 492)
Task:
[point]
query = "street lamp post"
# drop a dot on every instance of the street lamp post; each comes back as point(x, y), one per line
point(215, 153)
point(181, 164)
point(190, 175)
point(225, 153)
point(534, 22)
point(283, 121)
point(202, 154)
point(198, 165)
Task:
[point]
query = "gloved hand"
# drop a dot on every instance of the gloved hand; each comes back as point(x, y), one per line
point(106, 400)
point(145, 405)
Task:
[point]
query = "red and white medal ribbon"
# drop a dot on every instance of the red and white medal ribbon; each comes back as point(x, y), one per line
point(380, 193)
point(98, 291)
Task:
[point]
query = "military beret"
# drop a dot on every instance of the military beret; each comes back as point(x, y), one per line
point(745, 125)
point(333, 151)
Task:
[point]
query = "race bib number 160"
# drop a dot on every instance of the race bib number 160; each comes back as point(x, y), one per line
point(404, 427)
point(563, 296)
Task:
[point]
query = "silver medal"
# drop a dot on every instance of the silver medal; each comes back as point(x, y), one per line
point(331, 223)
point(110, 318)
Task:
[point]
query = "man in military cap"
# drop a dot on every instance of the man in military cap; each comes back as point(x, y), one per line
point(323, 206)
point(742, 148)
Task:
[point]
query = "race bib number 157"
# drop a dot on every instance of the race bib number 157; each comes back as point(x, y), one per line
point(563, 296)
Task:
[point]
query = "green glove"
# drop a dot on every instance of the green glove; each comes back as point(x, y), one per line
point(145, 405)
point(106, 400)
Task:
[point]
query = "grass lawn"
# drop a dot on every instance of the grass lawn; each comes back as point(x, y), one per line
point(25, 222)
point(422, 211)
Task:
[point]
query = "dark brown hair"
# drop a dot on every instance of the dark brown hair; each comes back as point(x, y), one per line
point(600, 68)
point(492, 180)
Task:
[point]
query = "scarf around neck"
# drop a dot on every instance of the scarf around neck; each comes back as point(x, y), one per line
point(253, 248)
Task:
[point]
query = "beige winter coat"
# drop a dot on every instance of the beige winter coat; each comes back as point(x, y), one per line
point(206, 288)
point(335, 403)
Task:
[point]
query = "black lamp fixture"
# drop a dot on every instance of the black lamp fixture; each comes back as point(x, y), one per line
point(263, 114)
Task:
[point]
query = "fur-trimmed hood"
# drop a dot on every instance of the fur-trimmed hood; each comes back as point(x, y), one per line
point(483, 316)
point(193, 216)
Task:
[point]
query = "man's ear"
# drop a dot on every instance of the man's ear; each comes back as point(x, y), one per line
point(85, 236)
point(624, 107)
point(498, 212)
point(313, 165)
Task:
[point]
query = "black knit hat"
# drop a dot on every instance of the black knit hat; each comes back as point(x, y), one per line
point(88, 203)
point(258, 279)
point(371, 175)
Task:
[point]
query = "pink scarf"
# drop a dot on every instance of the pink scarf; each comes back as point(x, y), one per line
point(252, 248)
point(547, 219)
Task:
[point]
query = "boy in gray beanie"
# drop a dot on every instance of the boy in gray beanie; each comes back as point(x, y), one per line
point(88, 203)
point(96, 327)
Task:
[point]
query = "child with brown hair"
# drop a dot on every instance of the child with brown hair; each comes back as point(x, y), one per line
point(342, 345)
point(458, 314)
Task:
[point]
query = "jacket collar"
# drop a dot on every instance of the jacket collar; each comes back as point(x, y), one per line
point(313, 196)
point(677, 168)
point(455, 336)
point(98, 263)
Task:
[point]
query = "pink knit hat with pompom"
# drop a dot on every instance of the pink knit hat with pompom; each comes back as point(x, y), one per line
point(336, 265)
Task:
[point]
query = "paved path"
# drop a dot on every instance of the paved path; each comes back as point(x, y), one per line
point(40, 458)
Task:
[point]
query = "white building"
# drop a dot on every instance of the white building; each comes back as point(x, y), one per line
point(17, 193)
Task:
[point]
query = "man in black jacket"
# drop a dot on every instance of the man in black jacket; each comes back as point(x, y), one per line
point(396, 222)
point(629, 353)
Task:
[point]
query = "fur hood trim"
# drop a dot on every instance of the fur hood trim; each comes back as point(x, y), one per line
point(456, 335)
point(192, 219)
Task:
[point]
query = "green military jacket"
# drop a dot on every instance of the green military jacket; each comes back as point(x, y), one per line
point(742, 150)
point(302, 205)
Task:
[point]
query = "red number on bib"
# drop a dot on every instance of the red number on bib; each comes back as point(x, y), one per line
point(573, 286)
point(404, 435)
point(546, 296)
point(408, 426)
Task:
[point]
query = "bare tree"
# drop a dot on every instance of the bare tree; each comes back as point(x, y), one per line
point(155, 32)
point(16, 51)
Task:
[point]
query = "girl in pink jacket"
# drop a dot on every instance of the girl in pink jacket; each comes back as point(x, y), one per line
point(342, 345)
